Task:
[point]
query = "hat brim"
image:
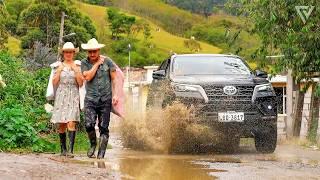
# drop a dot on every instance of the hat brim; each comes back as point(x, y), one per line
point(90, 47)
point(76, 50)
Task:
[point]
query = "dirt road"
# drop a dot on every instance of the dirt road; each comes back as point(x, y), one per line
point(288, 162)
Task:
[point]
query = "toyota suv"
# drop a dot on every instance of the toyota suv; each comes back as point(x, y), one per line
point(225, 92)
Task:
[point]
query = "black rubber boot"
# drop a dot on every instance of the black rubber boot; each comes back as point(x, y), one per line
point(102, 146)
point(72, 137)
point(63, 144)
point(93, 143)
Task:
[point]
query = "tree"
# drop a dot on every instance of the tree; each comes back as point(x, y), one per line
point(282, 31)
point(3, 32)
point(44, 17)
point(119, 22)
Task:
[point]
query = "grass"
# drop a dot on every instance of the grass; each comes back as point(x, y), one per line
point(161, 39)
point(13, 45)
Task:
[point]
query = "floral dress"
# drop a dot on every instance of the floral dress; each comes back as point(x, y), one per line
point(67, 101)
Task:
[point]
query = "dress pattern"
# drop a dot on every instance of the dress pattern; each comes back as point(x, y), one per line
point(67, 100)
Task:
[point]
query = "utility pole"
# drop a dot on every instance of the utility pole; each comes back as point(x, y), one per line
point(61, 34)
point(128, 69)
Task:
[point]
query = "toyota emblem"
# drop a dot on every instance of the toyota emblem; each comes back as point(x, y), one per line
point(230, 90)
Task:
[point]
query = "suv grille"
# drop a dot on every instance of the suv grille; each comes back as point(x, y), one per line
point(219, 101)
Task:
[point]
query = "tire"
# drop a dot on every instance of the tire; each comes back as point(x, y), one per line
point(266, 142)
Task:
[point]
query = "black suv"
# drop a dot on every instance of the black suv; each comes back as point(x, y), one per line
point(224, 91)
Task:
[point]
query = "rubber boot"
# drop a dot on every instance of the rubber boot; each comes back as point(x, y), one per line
point(102, 146)
point(63, 144)
point(93, 143)
point(72, 137)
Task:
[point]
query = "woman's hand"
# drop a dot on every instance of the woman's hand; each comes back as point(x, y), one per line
point(75, 67)
point(56, 77)
point(78, 74)
point(60, 68)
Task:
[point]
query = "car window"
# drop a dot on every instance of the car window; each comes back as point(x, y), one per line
point(209, 65)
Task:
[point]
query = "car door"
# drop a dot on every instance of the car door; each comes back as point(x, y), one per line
point(158, 86)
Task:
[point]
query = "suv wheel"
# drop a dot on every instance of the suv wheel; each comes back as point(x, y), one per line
point(266, 142)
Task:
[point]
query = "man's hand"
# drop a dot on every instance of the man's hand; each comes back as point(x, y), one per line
point(100, 61)
point(115, 100)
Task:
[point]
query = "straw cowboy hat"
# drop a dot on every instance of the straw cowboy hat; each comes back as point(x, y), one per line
point(68, 46)
point(92, 45)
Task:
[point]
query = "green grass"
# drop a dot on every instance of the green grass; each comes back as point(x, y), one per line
point(13, 46)
point(163, 40)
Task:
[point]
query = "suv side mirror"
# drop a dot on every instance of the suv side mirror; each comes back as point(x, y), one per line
point(261, 74)
point(160, 74)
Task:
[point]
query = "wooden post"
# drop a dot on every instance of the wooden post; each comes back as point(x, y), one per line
point(298, 107)
point(61, 34)
point(289, 105)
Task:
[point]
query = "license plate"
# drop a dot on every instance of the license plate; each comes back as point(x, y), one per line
point(231, 117)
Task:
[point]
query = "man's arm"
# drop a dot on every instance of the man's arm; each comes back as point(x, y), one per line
point(88, 75)
point(115, 99)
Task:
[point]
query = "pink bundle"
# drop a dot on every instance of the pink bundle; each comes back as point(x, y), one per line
point(118, 108)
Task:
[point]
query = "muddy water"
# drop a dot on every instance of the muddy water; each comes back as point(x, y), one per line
point(146, 166)
point(171, 130)
point(289, 161)
point(145, 147)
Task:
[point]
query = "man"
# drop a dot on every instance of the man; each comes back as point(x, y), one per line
point(100, 74)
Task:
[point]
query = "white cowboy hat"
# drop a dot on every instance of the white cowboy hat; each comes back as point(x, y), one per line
point(68, 46)
point(92, 45)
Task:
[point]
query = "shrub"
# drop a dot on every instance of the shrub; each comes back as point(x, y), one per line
point(22, 116)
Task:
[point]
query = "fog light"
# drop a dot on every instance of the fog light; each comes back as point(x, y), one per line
point(270, 107)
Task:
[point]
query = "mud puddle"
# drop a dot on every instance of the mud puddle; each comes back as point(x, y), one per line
point(129, 164)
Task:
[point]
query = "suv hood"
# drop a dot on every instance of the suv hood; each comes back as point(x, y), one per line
point(218, 79)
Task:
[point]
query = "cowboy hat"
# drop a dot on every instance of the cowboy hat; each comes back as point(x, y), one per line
point(68, 46)
point(92, 45)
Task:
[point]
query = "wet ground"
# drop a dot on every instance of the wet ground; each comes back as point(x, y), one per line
point(288, 162)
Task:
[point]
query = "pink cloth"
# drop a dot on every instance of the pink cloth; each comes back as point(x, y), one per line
point(118, 109)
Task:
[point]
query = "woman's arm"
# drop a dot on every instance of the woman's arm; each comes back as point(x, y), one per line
point(56, 77)
point(78, 75)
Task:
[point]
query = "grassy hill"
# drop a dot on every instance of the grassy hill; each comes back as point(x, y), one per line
point(162, 39)
point(212, 30)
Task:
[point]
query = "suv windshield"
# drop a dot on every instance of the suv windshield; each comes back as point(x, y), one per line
point(207, 65)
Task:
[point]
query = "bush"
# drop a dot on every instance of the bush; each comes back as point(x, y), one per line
point(22, 115)
point(15, 130)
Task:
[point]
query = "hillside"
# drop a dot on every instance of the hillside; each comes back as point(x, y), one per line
point(163, 40)
point(218, 29)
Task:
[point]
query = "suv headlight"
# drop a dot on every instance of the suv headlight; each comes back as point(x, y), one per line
point(264, 87)
point(190, 91)
point(264, 98)
point(185, 88)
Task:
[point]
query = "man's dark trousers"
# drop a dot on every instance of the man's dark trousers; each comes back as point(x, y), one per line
point(97, 109)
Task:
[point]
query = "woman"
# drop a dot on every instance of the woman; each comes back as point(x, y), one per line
point(66, 111)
